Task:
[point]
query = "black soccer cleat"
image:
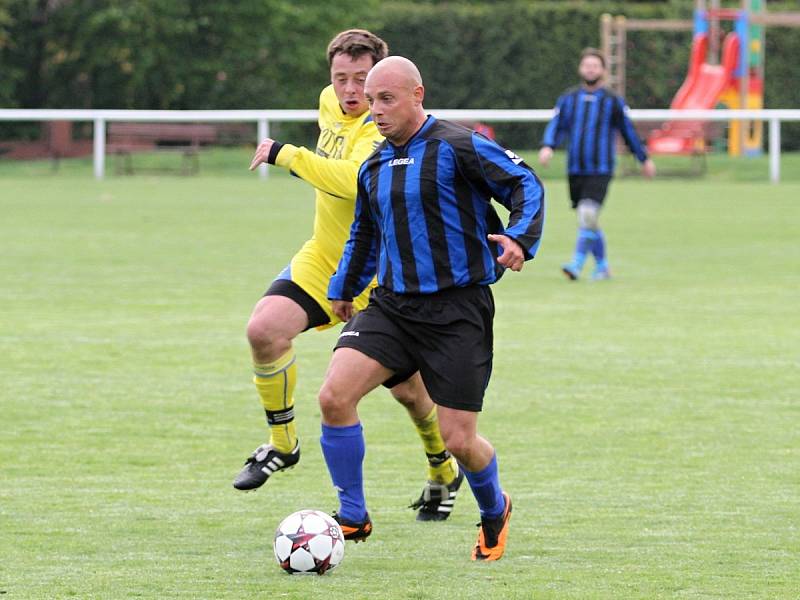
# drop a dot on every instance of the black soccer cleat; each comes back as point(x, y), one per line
point(265, 461)
point(357, 532)
point(437, 500)
point(571, 271)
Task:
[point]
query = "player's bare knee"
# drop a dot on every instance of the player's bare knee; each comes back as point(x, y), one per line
point(335, 402)
point(329, 403)
point(462, 452)
point(458, 443)
point(255, 333)
point(266, 340)
point(327, 399)
point(406, 394)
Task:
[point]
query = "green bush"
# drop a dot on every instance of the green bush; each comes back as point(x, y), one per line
point(524, 54)
point(152, 54)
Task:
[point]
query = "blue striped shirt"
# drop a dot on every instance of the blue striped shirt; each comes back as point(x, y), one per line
point(423, 213)
point(589, 121)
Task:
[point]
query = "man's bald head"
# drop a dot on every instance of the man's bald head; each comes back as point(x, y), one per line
point(395, 93)
point(398, 70)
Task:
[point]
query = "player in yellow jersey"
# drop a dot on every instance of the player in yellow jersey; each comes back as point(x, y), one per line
point(297, 299)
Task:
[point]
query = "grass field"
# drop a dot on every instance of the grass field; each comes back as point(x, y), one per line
point(648, 427)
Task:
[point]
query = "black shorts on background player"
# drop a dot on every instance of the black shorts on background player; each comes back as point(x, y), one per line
point(588, 187)
point(446, 336)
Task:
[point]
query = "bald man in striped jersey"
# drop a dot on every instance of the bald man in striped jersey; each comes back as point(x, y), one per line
point(425, 223)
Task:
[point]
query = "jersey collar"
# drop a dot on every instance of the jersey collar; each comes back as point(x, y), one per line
point(426, 125)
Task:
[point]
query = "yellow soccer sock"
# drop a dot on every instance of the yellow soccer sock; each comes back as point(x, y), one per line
point(442, 467)
point(275, 383)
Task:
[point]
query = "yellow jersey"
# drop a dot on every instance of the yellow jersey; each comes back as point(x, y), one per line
point(344, 143)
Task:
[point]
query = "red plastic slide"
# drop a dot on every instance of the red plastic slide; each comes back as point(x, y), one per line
point(702, 88)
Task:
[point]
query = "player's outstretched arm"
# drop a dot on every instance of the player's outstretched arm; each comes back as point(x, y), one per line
point(334, 176)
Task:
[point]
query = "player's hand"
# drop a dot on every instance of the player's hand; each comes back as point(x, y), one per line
point(545, 154)
point(262, 153)
point(513, 257)
point(649, 169)
point(342, 309)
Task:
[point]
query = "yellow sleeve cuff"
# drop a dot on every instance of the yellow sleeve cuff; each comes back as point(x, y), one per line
point(286, 155)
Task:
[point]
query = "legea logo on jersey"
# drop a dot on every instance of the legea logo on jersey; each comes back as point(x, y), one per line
point(401, 161)
point(514, 158)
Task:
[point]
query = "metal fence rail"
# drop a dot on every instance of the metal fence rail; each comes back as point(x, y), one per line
point(263, 118)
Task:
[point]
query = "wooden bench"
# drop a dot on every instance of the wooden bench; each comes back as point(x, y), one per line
point(125, 139)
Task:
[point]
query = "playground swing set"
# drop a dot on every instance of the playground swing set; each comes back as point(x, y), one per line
point(728, 77)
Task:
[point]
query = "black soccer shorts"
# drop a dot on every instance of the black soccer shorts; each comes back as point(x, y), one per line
point(446, 336)
point(289, 289)
point(588, 187)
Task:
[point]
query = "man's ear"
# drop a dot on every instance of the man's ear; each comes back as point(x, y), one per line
point(419, 94)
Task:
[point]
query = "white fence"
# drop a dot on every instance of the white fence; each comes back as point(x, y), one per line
point(264, 117)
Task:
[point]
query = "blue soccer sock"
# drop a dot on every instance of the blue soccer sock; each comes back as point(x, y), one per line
point(583, 245)
point(486, 488)
point(599, 250)
point(343, 448)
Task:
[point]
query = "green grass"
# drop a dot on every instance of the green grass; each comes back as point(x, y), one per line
point(647, 427)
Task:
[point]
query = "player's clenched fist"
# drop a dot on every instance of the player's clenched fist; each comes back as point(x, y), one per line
point(343, 309)
point(513, 256)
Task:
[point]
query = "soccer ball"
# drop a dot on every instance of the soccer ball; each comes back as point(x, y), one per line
point(308, 541)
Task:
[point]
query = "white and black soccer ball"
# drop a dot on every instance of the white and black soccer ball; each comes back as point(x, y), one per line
point(308, 541)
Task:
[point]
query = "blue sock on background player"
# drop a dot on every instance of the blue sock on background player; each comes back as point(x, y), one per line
point(583, 245)
point(343, 448)
point(485, 486)
point(599, 250)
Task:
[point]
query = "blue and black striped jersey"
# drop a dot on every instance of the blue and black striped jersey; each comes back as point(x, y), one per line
point(423, 213)
point(589, 120)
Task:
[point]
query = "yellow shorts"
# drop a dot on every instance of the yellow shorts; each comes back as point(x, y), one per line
point(311, 269)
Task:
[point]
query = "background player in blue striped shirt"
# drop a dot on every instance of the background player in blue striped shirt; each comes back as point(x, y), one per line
point(588, 117)
point(424, 221)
